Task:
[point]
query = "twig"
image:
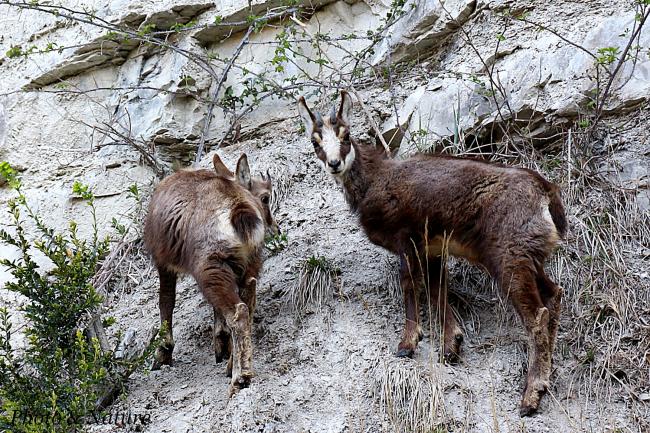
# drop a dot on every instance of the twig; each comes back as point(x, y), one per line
point(392, 94)
point(350, 86)
point(148, 158)
point(619, 65)
point(222, 79)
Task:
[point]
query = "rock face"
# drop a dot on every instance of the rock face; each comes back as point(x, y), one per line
point(97, 97)
point(541, 83)
point(423, 28)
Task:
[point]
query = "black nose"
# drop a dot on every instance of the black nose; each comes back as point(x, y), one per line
point(334, 163)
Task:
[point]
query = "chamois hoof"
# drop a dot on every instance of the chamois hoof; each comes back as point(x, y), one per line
point(405, 353)
point(531, 398)
point(241, 382)
point(525, 410)
point(452, 351)
point(163, 357)
point(451, 357)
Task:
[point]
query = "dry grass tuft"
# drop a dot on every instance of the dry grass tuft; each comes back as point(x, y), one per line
point(411, 395)
point(317, 276)
point(390, 280)
point(282, 182)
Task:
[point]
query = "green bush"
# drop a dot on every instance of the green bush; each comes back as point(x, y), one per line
point(55, 382)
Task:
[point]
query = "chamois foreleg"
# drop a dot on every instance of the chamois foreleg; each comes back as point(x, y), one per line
point(410, 276)
point(248, 294)
point(439, 305)
point(218, 284)
point(517, 280)
point(166, 303)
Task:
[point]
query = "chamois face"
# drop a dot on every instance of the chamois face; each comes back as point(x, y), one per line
point(260, 187)
point(330, 136)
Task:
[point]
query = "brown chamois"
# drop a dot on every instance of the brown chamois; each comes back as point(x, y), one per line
point(211, 225)
point(506, 219)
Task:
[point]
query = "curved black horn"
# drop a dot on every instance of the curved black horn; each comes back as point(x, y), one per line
point(333, 116)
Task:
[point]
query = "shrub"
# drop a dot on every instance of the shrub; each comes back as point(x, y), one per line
point(56, 381)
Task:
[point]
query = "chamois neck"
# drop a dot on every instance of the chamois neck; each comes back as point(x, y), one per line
point(358, 178)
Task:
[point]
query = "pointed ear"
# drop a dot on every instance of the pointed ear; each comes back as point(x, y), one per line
point(243, 172)
point(308, 118)
point(345, 110)
point(221, 168)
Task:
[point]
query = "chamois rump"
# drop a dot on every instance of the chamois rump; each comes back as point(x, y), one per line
point(211, 225)
point(506, 219)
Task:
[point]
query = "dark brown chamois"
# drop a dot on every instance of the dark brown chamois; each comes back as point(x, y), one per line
point(506, 219)
point(211, 225)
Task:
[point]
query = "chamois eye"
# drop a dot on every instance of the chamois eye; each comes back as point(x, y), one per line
point(315, 143)
point(265, 199)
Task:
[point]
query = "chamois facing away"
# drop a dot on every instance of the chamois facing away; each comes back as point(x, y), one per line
point(211, 224)
point(508, 220)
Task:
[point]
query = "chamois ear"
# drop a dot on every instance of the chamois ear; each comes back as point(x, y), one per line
point(308, 118)
point(243, 172)
point(220, 168)
point(345, 110)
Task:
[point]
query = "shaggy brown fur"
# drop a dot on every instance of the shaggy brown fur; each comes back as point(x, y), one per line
point(211, 224)
point(508, 220)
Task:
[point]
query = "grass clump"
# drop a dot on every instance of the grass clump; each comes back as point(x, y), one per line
point(314, 285)
point(410, 395)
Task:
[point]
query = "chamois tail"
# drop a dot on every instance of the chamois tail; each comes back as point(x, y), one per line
point(556, 208)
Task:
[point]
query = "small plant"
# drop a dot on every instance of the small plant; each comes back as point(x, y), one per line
point(14, 51)
point(276, 243)
point(584, 123)
point(607, 55)
point(146, 29)
point(179, 27)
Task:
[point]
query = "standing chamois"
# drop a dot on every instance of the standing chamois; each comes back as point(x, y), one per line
point(211, 224)
point(506, 219)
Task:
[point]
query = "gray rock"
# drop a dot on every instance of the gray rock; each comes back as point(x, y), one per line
point(423, 28)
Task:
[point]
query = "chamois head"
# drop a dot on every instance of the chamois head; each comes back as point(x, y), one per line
point(330, 136)
point(260, 186)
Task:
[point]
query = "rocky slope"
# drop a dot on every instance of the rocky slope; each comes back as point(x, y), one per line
point(517, 81)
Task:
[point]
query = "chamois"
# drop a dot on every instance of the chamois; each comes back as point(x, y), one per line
point(506, 219)
point(211, 224)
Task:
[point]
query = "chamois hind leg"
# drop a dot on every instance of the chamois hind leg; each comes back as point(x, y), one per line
point(517, 280)
point(221, 339)
point(551, 295)
point(218, 284)
point(410, 276)
point(248, 287)
point(166, 302)
point(439, 305)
